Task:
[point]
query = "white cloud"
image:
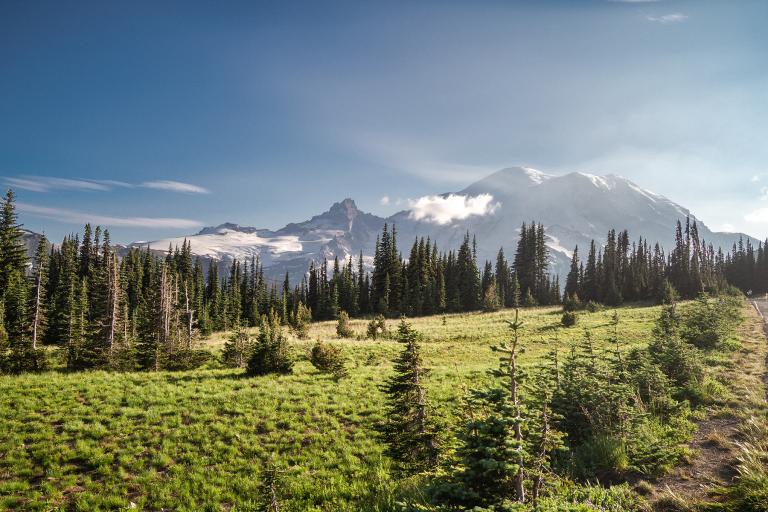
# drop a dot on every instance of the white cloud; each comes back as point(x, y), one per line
point(446, 209)
point(764, 193)
point(676, 17)
point(77, 217)
point(384, 200)
point(759, 216)
point(755, 178)
point(47, 184)
point(175, 186)
point(727, 228)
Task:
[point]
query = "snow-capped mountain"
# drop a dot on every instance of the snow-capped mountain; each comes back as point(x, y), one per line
point(574, 208)
point(341, 231)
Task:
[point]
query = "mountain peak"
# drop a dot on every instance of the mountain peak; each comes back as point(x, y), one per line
point(535, 176)
point(347, 206)
point(508, 180)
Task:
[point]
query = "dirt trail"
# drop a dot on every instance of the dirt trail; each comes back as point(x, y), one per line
point(714, 442)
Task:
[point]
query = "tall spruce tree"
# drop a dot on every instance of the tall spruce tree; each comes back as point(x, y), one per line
point(409, 430)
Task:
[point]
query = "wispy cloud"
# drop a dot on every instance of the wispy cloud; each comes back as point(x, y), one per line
point(384, 200)
point(78, 217)
point(405, 158)
point(175, 186)
point(664, 19)
point(48, 183)
point(446, 209)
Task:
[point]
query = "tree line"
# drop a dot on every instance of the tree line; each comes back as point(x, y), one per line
point(141, 311)
point(621, 271)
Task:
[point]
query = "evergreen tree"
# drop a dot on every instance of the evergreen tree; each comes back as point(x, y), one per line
point(21, 357)
point(13, 252)
point(237, 349)
point(492, 448)
point(343, 329)
point(572, 281)
point(409, 431)
point(271, 353)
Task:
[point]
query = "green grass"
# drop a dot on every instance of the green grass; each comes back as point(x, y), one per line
point(198, 440)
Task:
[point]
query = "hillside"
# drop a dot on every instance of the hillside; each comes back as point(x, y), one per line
point(200, 440)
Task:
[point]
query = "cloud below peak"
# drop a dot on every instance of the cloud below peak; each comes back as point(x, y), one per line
point(446, 209)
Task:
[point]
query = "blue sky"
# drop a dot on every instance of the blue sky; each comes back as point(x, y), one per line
point(180, 114)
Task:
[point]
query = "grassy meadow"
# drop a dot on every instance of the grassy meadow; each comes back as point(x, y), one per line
point(199, 440)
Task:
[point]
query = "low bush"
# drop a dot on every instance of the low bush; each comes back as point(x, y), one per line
point(594, 307)
point(271, 353)
point(377, 327)
point(328, 359)
point(572, 303)
point(343, 329)
point(708, 322)
point(568, 319)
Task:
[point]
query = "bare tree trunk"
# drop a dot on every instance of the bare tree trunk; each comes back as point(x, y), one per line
point(190, 315)
point(113, 291)
point(519, 480)
point(36, 320)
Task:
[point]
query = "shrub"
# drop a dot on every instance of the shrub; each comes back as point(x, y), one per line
point(377, 327)
point(667, 294)
point(678, 361)
point(594, 307)
point(568, 319)
point(491, 299)
point(271, 353)
point(602, 456)
point(570, 497)
point(301, 321)
point(343, 329)
point(529, 300)
point(184, 360)
point(708, 322)
point(572, 303)
point(237, 349)
point(328, 359)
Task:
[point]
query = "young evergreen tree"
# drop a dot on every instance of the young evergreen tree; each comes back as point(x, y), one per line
point(301, 322)
point(328, 359)
point(21, 358)
point(238, 348)
point(409, 430)
point(271, 353)
point(492, 450)
point(343, 329)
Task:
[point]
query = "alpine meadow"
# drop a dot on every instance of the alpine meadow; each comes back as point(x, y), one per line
point(473, 337)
